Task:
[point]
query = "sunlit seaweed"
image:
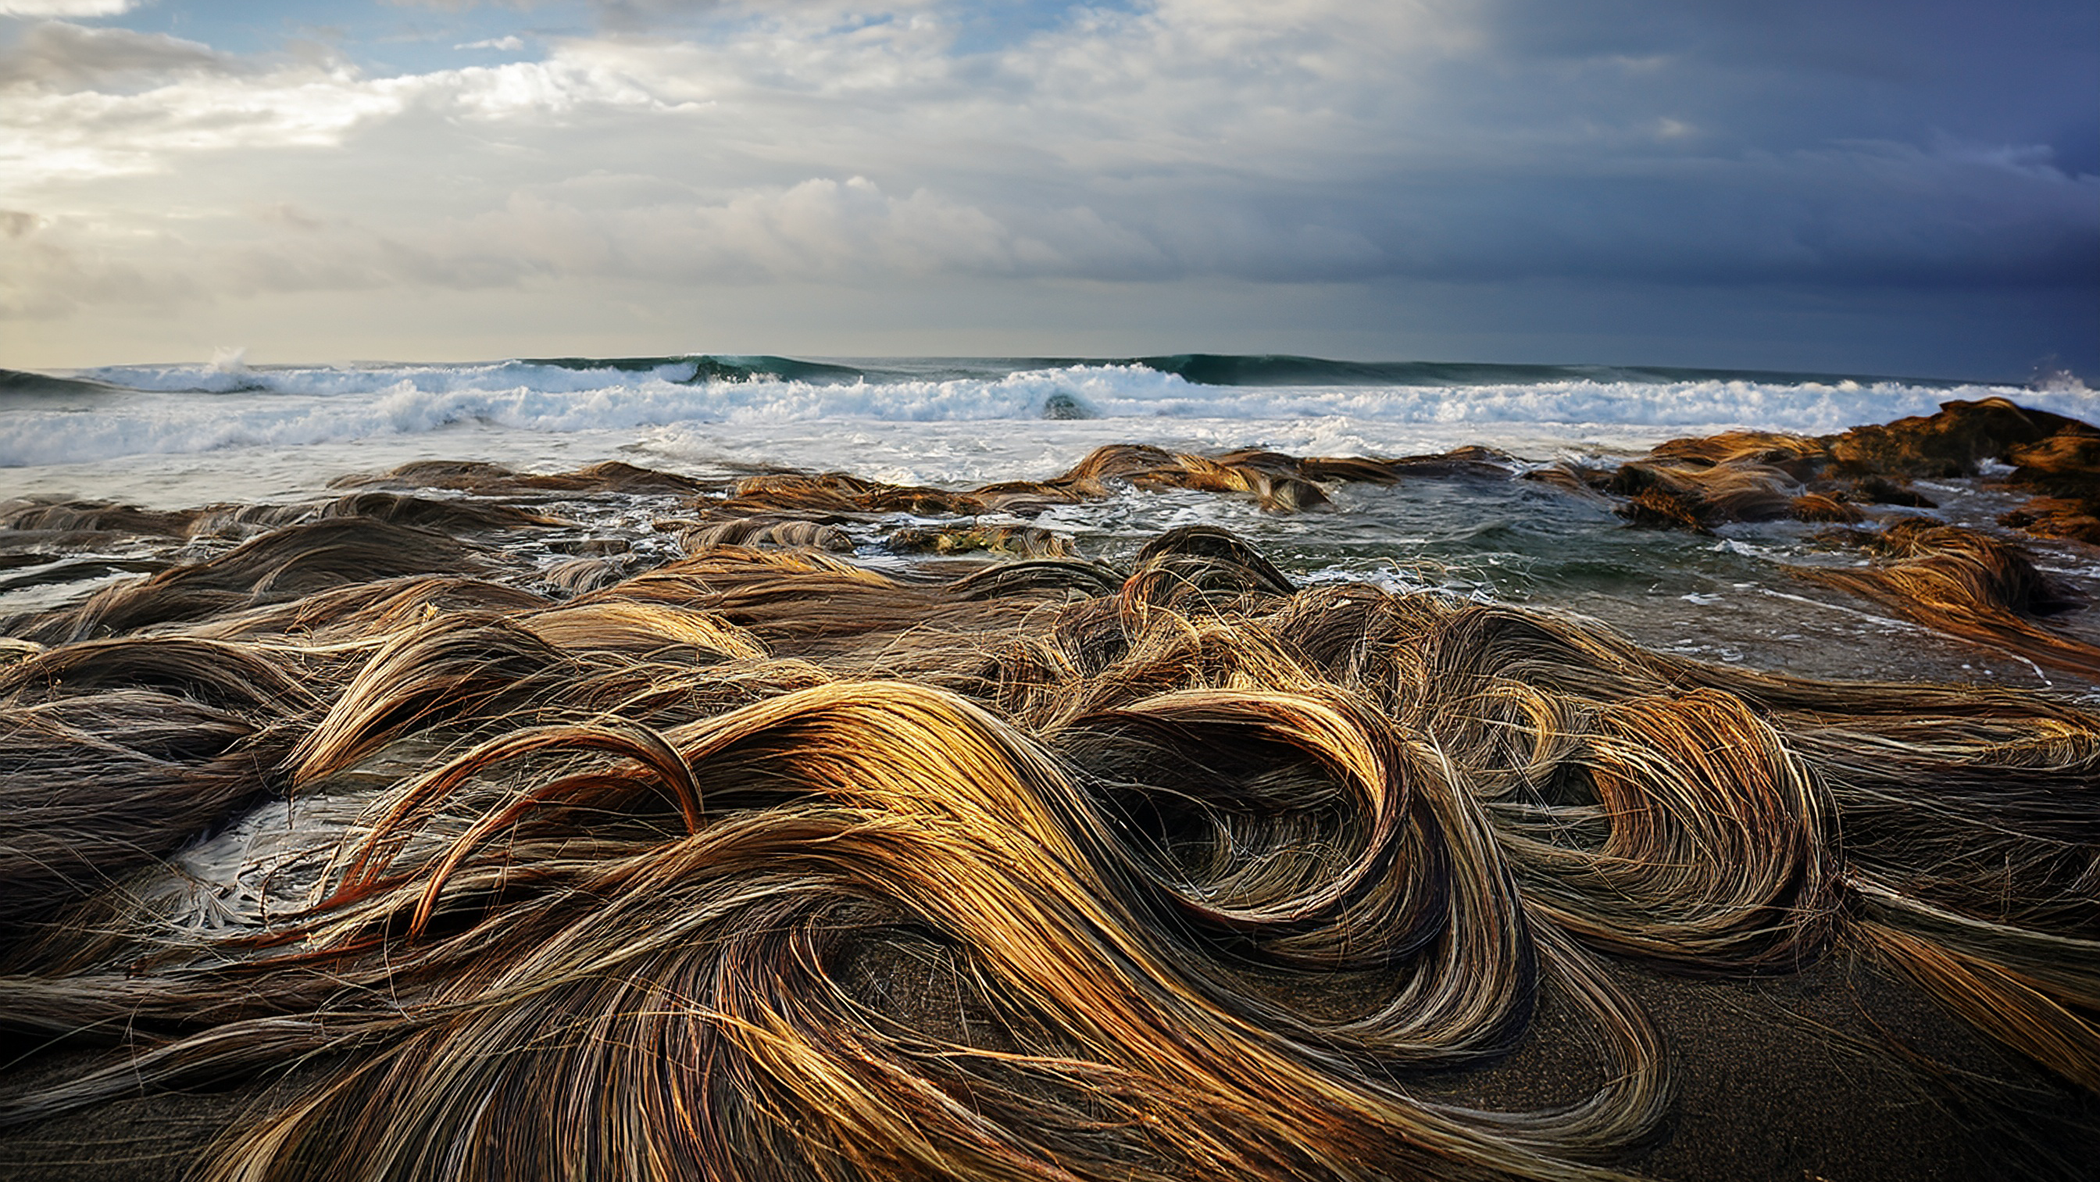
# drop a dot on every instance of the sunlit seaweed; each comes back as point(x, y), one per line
point(1218, 863)
point(1698, 483)
point(1964, 584)
point(279, 566)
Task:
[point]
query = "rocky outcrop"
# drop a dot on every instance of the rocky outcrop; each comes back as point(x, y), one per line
point(1955, 441)
point(1699, 483)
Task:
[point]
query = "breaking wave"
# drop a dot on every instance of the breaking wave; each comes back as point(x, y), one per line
point(130, 410)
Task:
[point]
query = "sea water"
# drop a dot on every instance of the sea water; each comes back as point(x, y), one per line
point(176, 436)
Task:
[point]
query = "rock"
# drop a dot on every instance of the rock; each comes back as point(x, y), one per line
point(1026, 541)
point(1817, 507)
point(2056, 517)
point(1950, 443)
point(766, 530)
point(1672, 492)
point(1880, 490)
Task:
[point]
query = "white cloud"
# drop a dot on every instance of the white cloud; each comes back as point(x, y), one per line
point(83, 135)
point(61, 120)
point(820, 228)
point(62, 56)
point(820, 143)
point(1195, 91)
point(66, 8)
point(52, 267)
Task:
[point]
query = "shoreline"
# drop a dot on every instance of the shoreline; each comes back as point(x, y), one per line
point(1205, 866)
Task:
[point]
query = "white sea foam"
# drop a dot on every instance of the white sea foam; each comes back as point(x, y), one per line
point(284, 428)
point(203, 408)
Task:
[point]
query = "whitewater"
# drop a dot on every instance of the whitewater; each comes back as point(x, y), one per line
point(178, 434)
point(182, 436)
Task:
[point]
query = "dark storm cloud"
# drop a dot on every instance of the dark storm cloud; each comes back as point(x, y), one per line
point(1935, 142)
point(1853, 214)
point(1808, 73)
point(1841, 148)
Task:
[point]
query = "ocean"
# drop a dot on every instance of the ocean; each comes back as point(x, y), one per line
point(231, 430)
point(182, 436)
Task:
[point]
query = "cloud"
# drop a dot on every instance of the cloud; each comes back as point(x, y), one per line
point(84, 135)
point(820, 228)
point(1266, 141)
point(81, 104)
point(48, 269)
point(62, 56)
point(1861, 216)
point(66, 8)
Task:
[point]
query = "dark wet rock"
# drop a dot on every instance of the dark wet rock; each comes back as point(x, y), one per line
point(1818, 507)
point(2065, 464)
point(1880, 490)
point(2065, 469)
point(1657, 508)
point(485, 478)
point(1062, 405)
point(1952, 442)
point(579, 576)
point(2056, 517)
point(1277, 482)
point(70, 516)
point(1698, 496)
point(446, 515)
point(450, 516)
point(462, 475)
point(599, 546)
point(766, 530)
point(1798, 456)
point(1271, 485)
point(1462, 463)
point(1698, 483)
point(1579, 479)
point(74, 570)
point(1027, 541)
point(840, 493)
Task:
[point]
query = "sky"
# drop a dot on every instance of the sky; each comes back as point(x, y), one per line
point(1904, 187)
